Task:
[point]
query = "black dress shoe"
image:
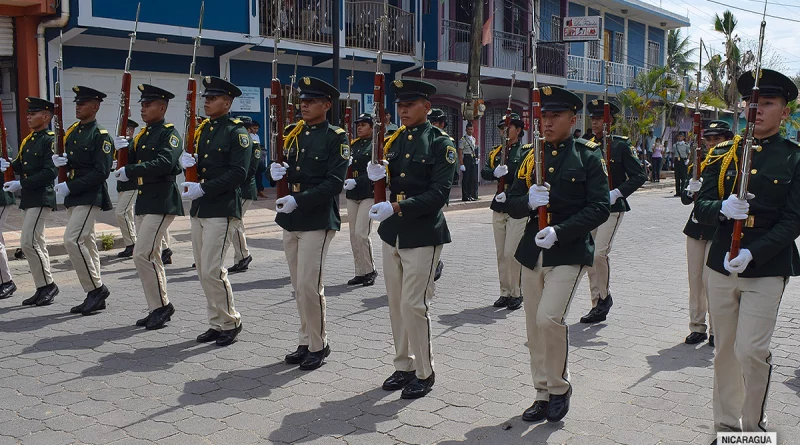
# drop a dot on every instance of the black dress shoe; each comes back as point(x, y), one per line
point(711, 340)
point(297, 356)
point(358, 279)
point(94, 300)
point(695, 338)
point(315, 359)
point(127, 253)
point(245, 263)
point(47, 295)
point(234, 269)
point(166, 256)
point(501, 302)
point(227, 337)
point(537, 411)
point(439, 269)
point(142, 322)
point(159, 317)
point(19, 254)
point(399, 380)
point(207, 336)
point(514, 303)
point(6, 289)
point(599, 312)
point(369, 279)
point(558, 406)
point(30, 301)
point(417, 388)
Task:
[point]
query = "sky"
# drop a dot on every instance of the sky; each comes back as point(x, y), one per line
point(781, 35)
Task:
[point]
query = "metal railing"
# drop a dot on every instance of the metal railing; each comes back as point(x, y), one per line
point(455, 41)
point(584, 69)
point(306, 20)
point(362, 27)
point(508, 51)
point(550, 58)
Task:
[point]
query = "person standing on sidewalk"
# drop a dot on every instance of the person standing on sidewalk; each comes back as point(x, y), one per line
point(360, 197)
point(507, 230)
point(241, 254)
point(575, 193)
point(745, 292)
point(681, 152)
point(88, 157)
point(315, 168)
point(467, 159)
point(420, 162)
point(627, 176)
point(34, 165)
point(222, 156)
point(152, 166)
point(126, 199)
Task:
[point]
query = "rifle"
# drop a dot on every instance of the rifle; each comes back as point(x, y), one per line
point(9, 173)
point(749, 138)
point(58, 109)
point(536, 116)
point(276, 115)
point(697, 153)
point(348, 113)
point(607, 127)
point(125, 96)
point(378, 111)
point(291, 110)
point(501, 182)
point(191, 102)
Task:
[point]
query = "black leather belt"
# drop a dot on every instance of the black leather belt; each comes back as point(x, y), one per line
point(155, 179)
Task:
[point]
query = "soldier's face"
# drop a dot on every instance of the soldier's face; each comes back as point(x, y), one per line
point(364, 130)
point(38, 119)
point(714, 140)
point(513, 133)
point(153, 111)
point(597, 125)
point(413, 112)
point(216, 106)
point(771, 111)
point(129, 131)
point(557, 124)
point(314, 110)
point(86, 109)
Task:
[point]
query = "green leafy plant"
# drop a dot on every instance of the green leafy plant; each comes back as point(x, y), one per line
point(107, 241)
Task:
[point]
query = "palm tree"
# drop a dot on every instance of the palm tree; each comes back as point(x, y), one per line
point(679, 55)
point(654, 92)
point(726, 25)
point(715, 91)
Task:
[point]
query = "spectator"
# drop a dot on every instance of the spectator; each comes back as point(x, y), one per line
point(577, 133)
point(391, 127)
point(658, 155)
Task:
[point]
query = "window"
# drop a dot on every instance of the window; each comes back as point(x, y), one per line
point(514, 18)
point(653, 53)
point(619, 44)
point(594, 49)
point(555, 29)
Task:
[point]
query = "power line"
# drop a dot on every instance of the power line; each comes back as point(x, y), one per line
point(753, 12)
point(776, 4)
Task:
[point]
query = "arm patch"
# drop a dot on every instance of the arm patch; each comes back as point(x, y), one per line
point(451, 154)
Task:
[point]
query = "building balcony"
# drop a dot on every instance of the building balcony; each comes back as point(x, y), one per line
point(587, 70)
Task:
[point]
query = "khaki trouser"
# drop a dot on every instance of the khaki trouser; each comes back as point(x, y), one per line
point(547, 293)
point(744, 311)
point(81, 245)
point(507, 235)
point(305, 253)
point(360, 228)
point(240, 250)
point(408, 274)
point(5, 272)
point(696, 254)
point(600, 272)
point(34, 245)
point(164, 242)
point(147, 259)
point(125, 218)
point(210, 241)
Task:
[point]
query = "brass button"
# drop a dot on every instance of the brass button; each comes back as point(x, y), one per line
point(548, 206)
point(302, 150)
point(210, 129)
point(573, 179)
point(208, 141)
point(71, 153)
point(758, 148)
point(316, 158)
point(410, 137)
point(205, 170)
point(143, 146)
point(555, 152)
point(408, 155)
point(140, 192)
point(402, 175)
point(205, 155)
point(551, 169)
point(148, 133)
point(774, 182)
point(219, 149)
point(26, 163)
point(297, 168)
point(307, 133)
point(423, 161)
point(753, 171)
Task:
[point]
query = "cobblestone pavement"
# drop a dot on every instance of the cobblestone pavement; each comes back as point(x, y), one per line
point(98, 379)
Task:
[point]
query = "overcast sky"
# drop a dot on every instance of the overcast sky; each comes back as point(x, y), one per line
point(781, 35)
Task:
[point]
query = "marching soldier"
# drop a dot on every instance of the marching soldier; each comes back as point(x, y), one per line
point(575, 192)
point(34, 164)
point(681, 154)
point(126, 199)
point(88, 157)
point(507, 230)
point(421, 160)
point(152, 167)
point(627, 176)
point(698, 237)
point(316, 166)
point(7, 200)
point(222, 157)
point(360, 197)
point(744, 292)
point(249, 193)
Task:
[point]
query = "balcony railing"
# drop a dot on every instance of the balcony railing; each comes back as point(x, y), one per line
point(306, 20)
point(455, 41)
point(362, 29)
point(584, 69)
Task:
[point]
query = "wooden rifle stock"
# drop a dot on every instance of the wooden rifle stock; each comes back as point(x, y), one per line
point(125, 111)
point(276, 142)
point(348, 124)
point(379, 133)
point(191, 127)
point(58, 110)
point(501, 182)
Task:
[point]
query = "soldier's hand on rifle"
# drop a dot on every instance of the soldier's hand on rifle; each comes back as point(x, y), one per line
point(193, 190)
point(349, 184)
point(188, 160)
point(62, 189)
point(738, 264)
point(694, 185)
point(614, 195)
point(287, 204)
point(277, 171)
point(120, 142)
point(121, 175)
point(60, 161)
point(4, 165)
point(462, 167)
point(113, 165)
point(538, 195)
point(546, 237)
point(381, 211)
point(500, 197)
point(735, 208)
point(500, 171)
point(375, 171)
point(12, 186)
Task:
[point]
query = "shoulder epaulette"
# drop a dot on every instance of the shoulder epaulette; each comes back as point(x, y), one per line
point(616, 136)
point(354, 141)
point(235, 121)
point(168, 125)
point(723, 146)
point(102, 131)
point(289, 127)
point(527, 146)
point(338, 130)
point(587, 143)
point(51, 132)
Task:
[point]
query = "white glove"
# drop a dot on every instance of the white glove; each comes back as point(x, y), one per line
point(114, 165)
point(277, 171)
point(686, 162)
point(120, 142)
point(381, 211)
point(193, 190)
point(500, 197)
point(376, 172)
point(500, 171)
point(546, 237)
point(738, 264)
point(187, 160)
point(12, 186)
point(287, 204)
point(614, 195)
point(62, 189)
point(349, 184)
point(121, 175)
point(735, 208)
point(463, 168)
point(349, 161)
point(4, 165)
point(538, 195)
point(60, 161)
point(694, 185)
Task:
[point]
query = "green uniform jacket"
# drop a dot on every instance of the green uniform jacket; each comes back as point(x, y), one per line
point(125, 186)
point(361, 150)
point(775, 210)
point(34, 165)
point(89, 149)
point(693, 228)
point(422, 161)
point(515, 157)
point(626, 172)
point(248, 187)
point(152, 166)
point(578, 203)
point(317, 166)
point(223, 157)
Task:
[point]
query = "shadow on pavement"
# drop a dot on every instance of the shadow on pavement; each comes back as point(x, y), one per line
point(267, 284)
point(265, 243)
point(370, 304)
point(513, 431)
point(84, 340)
point(676, 358)
point(484, 315)
point(582, 335)
point(794, 382)
point(34, 323)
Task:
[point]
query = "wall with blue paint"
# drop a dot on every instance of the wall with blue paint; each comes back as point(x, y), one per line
point(576, 10)
point(657, 35)
point(78, 56)
point(636, 42)
point(231, 16)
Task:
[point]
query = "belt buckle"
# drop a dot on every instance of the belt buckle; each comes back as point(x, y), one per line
point(750, 221)
point(355, 174)
point(72, 174)
point(295, 188)
point(549, 218)
point(202, 181)
point(400, 196)
point(139, 180)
